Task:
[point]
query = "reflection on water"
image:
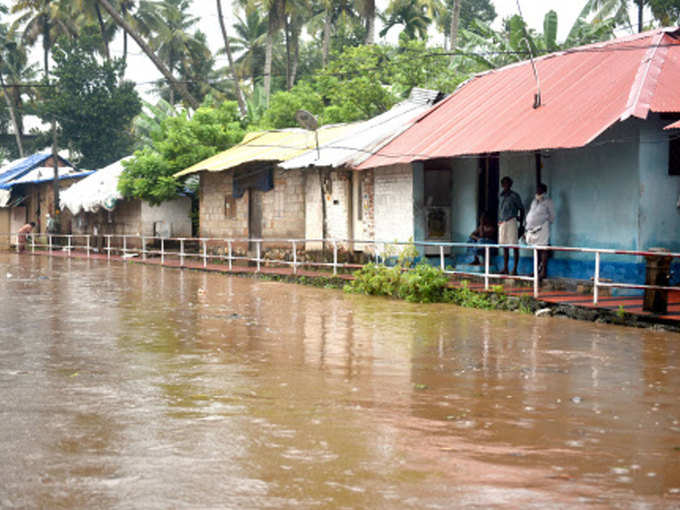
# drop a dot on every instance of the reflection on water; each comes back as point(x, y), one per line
point(132, 386)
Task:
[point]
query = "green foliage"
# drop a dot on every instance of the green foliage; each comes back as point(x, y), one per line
point(93, 106)
point(181, 142)
point(283, 105)
point(422, 284)
point(620, 312)
point(354, 83)
point(464, 296)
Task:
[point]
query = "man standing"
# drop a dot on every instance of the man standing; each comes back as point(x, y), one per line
point(540, 217)
point(22, 235)
point(510, 215)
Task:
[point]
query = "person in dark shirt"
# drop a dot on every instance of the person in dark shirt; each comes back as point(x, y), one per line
point(510, 217)
point(485, 234)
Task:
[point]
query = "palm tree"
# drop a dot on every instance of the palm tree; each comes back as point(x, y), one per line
point(172, 40)
point(412, 14)
point(275, 14)
point(251, 33)
point(12, 58)
point(89, 12)
point(368, 11)
point(179, 87)
point(45, 19)
point(230, 58)
point(616, 9)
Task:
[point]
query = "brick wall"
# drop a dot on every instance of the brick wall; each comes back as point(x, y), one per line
point(283, 207)
point(393, 203)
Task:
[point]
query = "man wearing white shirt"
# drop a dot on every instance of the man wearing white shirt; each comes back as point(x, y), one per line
point(541, 216)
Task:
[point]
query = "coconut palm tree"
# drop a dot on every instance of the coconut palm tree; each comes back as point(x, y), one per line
point(13, 69)
point(172, 39)
point(250, 34)
point(230, 58)
point(46, 19)
point(179, 87)
point(411, 14)
point(88, 12)
point(616, 9)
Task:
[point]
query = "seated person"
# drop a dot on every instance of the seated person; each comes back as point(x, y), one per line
point(485, 234)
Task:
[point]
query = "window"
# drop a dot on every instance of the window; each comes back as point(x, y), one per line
point(229, 207)
point(674, 154)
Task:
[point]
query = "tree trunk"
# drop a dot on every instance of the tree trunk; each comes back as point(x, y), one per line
point(12, 114)
point(370, 21)
point(296, 55)
point(286, 30)
point(326, 37)
point(455, 21)
point(55, 166)
point(179, 87)
point(273, 20)
point(641, 6)
point(102, 29)
point(232, 68)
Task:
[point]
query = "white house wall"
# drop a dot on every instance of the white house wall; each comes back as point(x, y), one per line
point(175, 213)
point(393, 195)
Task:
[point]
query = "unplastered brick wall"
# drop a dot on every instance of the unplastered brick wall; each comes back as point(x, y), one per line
point(393, 203)
point(215, 197)
point(283, 208)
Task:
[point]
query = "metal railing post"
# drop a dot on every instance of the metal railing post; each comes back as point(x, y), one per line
point(335, 258)
point(181, 252)
point(162, 251)
point(487, 252)
point(49, 244)
point(535, 272)
point(88, 246)
point(68, 245)
point(205, 254)
point(257, 254)
point(124, 245)
point(596, 279)
point(229, 256)
point(32, 243)
point(108, 247)
point(294, 258)
point(143, 248)
point(441, 257)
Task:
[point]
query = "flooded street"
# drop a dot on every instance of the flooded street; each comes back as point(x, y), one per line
point(131, 386)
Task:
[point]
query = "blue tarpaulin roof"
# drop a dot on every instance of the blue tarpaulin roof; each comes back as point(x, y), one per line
point(20, 167)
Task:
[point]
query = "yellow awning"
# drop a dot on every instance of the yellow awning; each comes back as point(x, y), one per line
point(267, 146)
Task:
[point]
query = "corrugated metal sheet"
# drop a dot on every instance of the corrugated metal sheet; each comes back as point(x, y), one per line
point(675, 125)
point(366, 137)
point(584, 92)
point(19, 167)
point(93, 192)
point(267, 146)
point(45, 174)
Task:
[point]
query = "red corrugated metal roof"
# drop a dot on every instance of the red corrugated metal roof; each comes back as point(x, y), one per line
point(584, 91)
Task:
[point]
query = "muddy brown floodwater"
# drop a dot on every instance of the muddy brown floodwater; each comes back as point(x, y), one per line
point(131, 386)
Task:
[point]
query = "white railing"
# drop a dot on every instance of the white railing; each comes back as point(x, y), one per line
point(124, 247)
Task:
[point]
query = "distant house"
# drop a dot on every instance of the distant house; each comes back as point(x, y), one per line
point(595, 136)
point(341, 203)
point(26, 190)
point(245, 195)
point(99, 209)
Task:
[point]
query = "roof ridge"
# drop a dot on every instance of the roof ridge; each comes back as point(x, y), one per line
point(646, 79)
